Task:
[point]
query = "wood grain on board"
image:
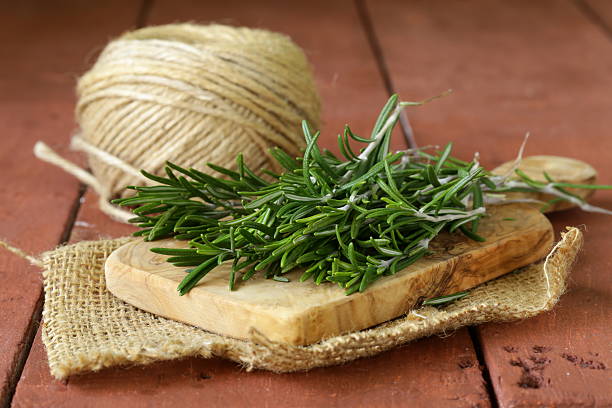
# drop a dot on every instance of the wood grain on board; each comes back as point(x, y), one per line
point(302, 313)
point(559, 169)
point(521, 66)
point(42, 47)
point(352, 92)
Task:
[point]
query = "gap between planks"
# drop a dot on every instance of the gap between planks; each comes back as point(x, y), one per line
point(374, 43)
point(144, 12)
point(368, 28)
point(484, 369)
point(22, 358)
point(30, 334)
point(594, 17)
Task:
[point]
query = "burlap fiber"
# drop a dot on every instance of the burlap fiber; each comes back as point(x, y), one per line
point(86, 328)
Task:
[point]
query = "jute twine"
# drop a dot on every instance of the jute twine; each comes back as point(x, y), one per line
point(86, 328)
point(190, 94)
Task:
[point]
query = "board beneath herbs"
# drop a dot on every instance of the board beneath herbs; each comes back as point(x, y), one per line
point(349, 220)
point(303, 313)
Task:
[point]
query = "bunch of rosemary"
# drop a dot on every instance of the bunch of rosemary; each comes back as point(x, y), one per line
point(349, 220)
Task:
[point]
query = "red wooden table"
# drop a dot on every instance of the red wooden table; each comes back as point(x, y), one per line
point(515, 66)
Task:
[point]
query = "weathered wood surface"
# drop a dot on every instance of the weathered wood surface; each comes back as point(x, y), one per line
point(302, 313)
point(350, 86)
point(515, 67)
point(561, 358)
point(42, 47)
point(538, 66)
point(386, 380)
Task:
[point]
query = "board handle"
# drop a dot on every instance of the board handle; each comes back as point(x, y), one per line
point(562, 169)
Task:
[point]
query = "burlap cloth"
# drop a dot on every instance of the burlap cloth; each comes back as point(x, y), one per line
point(86, 328)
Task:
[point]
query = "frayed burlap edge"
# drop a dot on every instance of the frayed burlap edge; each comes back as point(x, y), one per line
point(86, 328)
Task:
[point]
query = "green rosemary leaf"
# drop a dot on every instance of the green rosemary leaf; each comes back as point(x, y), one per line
point(232, 277)
point(263, 200)
point(441, 300)
point(430, 173)
point(284, 159)
point(477, 202)
point(445, 154)
point(162, 180)
point(195, 275)
point(173, 251)
point(384, 114)
point(471, 235)
point(377, 168)
point(582, 186)
point(312, 140)
point(225, 171)
point(248, 274)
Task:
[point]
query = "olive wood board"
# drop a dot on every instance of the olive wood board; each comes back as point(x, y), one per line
point(562, 169)
point(301, 313)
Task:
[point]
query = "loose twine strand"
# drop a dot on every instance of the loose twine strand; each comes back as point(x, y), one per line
point(45, 153)
point(22, 254)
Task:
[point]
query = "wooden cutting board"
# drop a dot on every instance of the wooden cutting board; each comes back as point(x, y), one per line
point(563, 169)
point(302, 313)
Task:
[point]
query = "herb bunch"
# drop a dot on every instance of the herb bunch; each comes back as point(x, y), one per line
point(349, 220)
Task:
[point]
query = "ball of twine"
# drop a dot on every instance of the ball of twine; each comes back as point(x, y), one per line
point(191, 94)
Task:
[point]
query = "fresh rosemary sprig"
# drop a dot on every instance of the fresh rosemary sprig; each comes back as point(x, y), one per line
point(444, 300)
point(349, 221)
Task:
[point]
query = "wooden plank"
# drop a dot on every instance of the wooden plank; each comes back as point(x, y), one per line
point(352, 92)
point(387, 380)
point(47, 45)
point(29, 223)
point(302, 313)
point(555, 89)
point(520, 66)
point(41, 49)
point(563, 357)
point(91, 224)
